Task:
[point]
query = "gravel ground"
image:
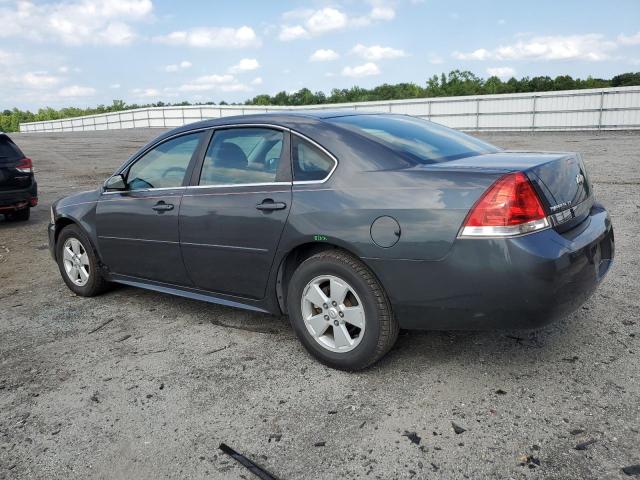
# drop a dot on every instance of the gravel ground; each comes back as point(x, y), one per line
point(136, 384)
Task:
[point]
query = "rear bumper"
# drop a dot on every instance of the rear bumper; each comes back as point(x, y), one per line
point(11, 200)
point(522, 282)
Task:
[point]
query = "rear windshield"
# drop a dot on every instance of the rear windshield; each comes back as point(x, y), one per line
point(422, 141)
point(8, 150)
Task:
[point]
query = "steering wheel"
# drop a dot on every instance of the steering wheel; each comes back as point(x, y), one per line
point(138, 184)
point(174, 170)
point(271, 164)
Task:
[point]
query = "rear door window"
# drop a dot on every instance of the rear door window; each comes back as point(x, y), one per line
point(239, 156)
point(310, 163)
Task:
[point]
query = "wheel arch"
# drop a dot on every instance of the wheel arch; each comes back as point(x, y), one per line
point(64, 221)
point(295, 257)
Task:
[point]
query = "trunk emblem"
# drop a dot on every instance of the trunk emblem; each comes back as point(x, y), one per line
point(579, 179)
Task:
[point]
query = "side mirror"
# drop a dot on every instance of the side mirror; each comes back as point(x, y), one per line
point(115, 182)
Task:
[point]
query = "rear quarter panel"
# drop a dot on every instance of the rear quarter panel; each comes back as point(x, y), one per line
point(430, 207)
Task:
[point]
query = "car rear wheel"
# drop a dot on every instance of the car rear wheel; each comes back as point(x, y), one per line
point(78, 263)
point(340, 311)
point(19, 215)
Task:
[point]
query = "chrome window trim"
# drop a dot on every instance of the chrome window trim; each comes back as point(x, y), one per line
point(325, 151)
point(158, 189)
point(221, 127)
point(234, 193)
point(231, 185)
point(151, 147)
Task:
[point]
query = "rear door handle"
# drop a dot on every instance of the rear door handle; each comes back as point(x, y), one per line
point(269, 205)
point(162, 207)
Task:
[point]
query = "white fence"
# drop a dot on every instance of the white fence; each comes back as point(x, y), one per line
point(594, 109)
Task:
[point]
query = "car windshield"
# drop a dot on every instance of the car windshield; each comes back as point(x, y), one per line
point(422, 141)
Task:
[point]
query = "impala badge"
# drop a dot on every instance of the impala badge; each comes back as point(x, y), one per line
point(579, 179)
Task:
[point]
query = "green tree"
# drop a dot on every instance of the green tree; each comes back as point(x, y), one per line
point(455, 83)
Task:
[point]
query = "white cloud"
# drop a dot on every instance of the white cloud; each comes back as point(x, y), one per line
point(298, 14)
point(288, 33)
point(212, 37)
point(245, 65)
point(324, 55)
point(7, 58)
point(208, 82)
point(629, 39)
point(76, 91)
point(175, 67)
point(377, 52)
point(310, 22)
point(40, 80)
point(382, 13)
point(235, 87)
point(479, 54)
point(146, 92)
point(591, 46)
point(325, 20)
point(502, 72)
point(358, 71)
point(256, 81)
point(116, 33)
point(74, 22)
point(114, 85)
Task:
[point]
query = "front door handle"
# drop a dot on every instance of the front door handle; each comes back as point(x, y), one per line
point(269, 205)
point(162, 207)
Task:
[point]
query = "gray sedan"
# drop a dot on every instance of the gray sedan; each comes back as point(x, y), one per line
point(353, 225)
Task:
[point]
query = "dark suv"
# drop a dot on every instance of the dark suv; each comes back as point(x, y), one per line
point(18, 187)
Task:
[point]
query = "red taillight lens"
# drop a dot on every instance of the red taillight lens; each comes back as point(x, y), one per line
point(510, 207)
point(25, 166)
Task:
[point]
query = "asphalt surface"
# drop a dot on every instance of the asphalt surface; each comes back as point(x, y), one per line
point(137, 384)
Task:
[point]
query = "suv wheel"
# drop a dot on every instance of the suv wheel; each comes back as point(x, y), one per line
point(340, 311)
point(19, 215)
point(78, 263)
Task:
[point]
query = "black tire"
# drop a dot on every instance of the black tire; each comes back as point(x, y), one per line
point(381, 329)
point(19, 215)
point(96, 283)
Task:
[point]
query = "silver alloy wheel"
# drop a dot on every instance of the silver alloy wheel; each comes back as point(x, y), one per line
point(76, 261)
point(333, 313)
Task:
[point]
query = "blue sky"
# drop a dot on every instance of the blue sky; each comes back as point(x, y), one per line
point(86, 52)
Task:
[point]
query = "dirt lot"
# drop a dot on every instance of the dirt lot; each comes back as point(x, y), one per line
point(153, 392)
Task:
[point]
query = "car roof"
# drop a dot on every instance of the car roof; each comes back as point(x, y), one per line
point(287, 118)
point(327, 113)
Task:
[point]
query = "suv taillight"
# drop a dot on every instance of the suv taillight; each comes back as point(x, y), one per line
point(25, 166)
point(509, 207)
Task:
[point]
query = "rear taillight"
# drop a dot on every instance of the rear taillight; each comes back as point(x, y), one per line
point(509, 207)
point(25, 166)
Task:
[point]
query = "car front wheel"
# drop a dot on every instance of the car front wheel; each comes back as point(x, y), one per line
point(340, 311)
point(78, 263)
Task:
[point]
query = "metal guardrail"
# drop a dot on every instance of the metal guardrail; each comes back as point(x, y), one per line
point(594, 109)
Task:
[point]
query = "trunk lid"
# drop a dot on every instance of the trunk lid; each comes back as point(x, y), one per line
point(10, 156)
point(560, 179)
